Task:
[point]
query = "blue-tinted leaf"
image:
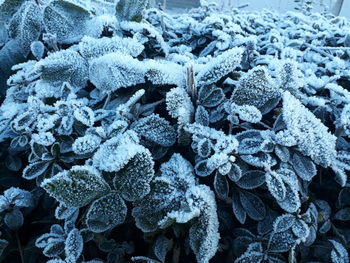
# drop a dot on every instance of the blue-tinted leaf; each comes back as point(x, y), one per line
point(235, 173)
point(36, 169)
point(221, 186)
point(106, 213)
point(74, 244)
point(276, 186)
point(238, 209)
point(251, 179)
point(210, 96)
point(343, 214)
point(303, 166)
point(281, 242)
point(202, 116)
point(3, 245)
point(253, 205)
point(161, 247)
point(14, 219)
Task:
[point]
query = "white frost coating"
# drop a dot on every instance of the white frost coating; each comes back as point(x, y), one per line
point(92, 47)
point(115, 153)
point(161, 72)
point(311, 134)
point(219, 66)
point(204, 234)
point(249, 113)
point(43, 138)
point(116, 70)
point(86, 144)
point(256, 87)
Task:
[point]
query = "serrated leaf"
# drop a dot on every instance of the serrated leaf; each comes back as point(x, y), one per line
point(253, 205)
point(251, 179)
point(210, 96)
point(281, 242)
point(67, 20)
point(131, 10)
point(155, 129)
point(202, 116)
point(133, 180)
point(105, 213)
point(25, 25)
point(76, 187)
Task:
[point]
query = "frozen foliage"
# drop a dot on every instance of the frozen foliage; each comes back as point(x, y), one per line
point(256, 88)
point(76, 187)
point(128, 134)
point(219, 67)
point(312, 136)
point(114, 71)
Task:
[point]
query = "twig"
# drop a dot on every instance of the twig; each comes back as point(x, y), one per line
point(317, 49)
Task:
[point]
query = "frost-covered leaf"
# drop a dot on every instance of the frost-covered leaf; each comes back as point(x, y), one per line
point(251, 179)
point(256, 88)
point(54, 249)
point(219, 67)
point(8, 8)
point(133, 180)
point(161, 247)
point(131, 9)
point(281, 242)
point(276, 186)
point(76, 187)
point(339, 253)
point(253, 205)
point(85, 115)
point(91, 48)
point(74, 244)
point(204, 148)
point(66, 19)
point(63, 212)
point(204, 233)
point(155, 129)
point(14, 219)
point(251, 145)
point(116, 70)
point(33, 170)
point(259, 159)
point(300, 229)
point(282, 153)
point(291, 203)
point(166, 201)
point(37, 48)
point(202, 168)
point(64, 66)
point(238, 209)
point(250, 257)
point(249, 113)
point(25, 25)
point(303, 166)
point(86, 144)
point(17, 197)
point(283, 223)
point(105, 213)
point(210, 96)
point(311, 134)
point(202, 116)
point(221, 186)
point(235, 173)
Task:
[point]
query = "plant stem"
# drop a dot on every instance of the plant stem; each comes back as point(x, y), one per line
point(19, 247)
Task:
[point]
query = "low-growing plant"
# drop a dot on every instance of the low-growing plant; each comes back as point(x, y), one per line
point(128, 134)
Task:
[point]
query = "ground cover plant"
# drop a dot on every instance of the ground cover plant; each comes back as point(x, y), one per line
point(128, 134)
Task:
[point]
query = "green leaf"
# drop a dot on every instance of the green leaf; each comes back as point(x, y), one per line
point(76, 187)
point(105, 213)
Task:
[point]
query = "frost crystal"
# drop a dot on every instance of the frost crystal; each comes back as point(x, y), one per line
point(311, 134)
